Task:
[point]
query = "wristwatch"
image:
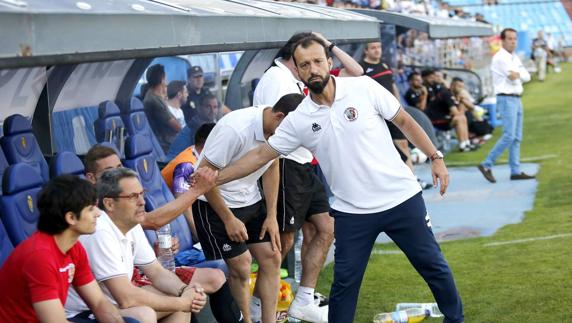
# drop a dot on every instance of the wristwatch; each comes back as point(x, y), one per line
point(436, 155)
point(331, 47)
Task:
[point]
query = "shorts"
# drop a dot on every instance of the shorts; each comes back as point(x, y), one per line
point(301, 194)
point(212, 234)
point(395, 133)
point(184, 273)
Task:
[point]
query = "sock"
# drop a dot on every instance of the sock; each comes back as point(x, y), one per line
point(223, 306)
point(255, 307)
point(304, 295)
point(256, 301)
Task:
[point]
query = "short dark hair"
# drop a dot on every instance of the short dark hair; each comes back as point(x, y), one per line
point(174, 88)
point(504, 31)
point(155, 74)
point(457, 79)
point(411, 75)
point(306, 41)
point(202, 133)
point(288, 103)
point(208, 97)
point(288, 49)
point(63, 194)
point(95, 153)
point(428, 72)
point(108, 183)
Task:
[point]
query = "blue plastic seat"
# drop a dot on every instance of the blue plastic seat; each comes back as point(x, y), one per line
point(20, 145)
point(18, 203)
point(139, 157)
point(136, 122)
point(3, 165)
point(66, 162)
point(109, 127)
point(6, 246)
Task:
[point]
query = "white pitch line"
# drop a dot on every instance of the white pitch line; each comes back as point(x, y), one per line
point(386, 252)
point(556, 236)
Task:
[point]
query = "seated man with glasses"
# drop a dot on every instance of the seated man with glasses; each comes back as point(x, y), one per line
point(119, 244)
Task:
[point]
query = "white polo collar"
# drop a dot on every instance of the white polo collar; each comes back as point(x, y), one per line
point(122, 237)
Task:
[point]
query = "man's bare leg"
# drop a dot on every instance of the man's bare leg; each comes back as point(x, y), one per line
point(317, 249)
point(239, 269)
point(268, 279)
point(210, 279)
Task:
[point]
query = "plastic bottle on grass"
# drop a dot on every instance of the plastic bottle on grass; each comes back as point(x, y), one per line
point(431, 308)
point(410, 315)
point(164, 244)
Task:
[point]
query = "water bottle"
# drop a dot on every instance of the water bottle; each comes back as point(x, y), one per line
point(410, 315)
point(430, 308)
point(298, 258)
point(164, 244)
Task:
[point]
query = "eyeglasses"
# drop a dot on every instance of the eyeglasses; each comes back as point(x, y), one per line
point(133, 197)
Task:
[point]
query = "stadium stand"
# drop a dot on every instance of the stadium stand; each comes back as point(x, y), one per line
point(524, 15)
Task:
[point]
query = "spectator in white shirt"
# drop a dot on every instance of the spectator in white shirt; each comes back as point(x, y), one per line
point(508, 75)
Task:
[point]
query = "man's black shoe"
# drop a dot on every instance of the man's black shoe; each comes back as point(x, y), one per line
point(487, 173)
point(521, 176)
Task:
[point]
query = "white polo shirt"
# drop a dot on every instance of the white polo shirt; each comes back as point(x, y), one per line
point(111, 254)
point(276, 82)
point(233, 136)
point(502, 64)
point(353, 145)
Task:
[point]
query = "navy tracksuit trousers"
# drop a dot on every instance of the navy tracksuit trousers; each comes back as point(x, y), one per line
point(407, 225)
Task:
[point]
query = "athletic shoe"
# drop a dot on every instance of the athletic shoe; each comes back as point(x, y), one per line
point(321, 300)
point(309, 313)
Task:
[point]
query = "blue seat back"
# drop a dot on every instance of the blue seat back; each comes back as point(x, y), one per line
point(109, 126)
point(139, 157)
point(66, 162)
point(18, 207)
point(3, 165)
point(136, 122)
point(6, 246)
point(20, 145)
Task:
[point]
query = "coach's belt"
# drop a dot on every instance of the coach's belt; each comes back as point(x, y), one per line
point(506, 94)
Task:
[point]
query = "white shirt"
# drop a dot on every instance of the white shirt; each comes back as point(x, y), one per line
point(111, 254)
point(274, 84)
point(178, 114)
point(233, 136)
point(503, 63)
point(353, 146)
